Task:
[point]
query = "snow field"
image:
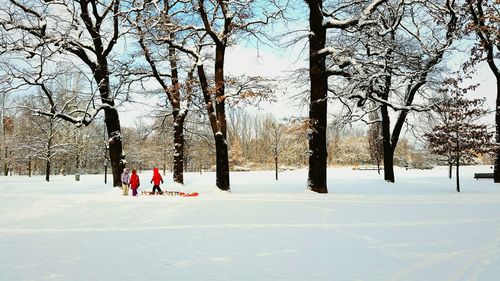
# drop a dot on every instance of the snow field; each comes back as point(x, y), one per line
point(365, 229)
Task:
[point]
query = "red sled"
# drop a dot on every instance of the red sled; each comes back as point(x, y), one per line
point(193, 194)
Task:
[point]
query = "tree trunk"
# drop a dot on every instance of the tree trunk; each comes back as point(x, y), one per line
point(218, 126)
point(112, 121)
point(386, 142)
point(178, 174)
point(318, 100)
point(221, 152)
point(276, 166)
point(115, 144)
point(450, 169)
point(49, 151)
point(458, 172)
point(47, 170)
point(378, 166)
point(222, 163)
point(389, 164)
point(5, 161)
point(496, 169)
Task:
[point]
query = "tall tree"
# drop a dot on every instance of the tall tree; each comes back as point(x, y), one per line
point(323, 16)
point(85, 30)
point(459, 135)
point(483, 20)
point(171, 69)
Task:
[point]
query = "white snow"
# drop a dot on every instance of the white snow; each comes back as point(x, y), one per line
point(365, 229)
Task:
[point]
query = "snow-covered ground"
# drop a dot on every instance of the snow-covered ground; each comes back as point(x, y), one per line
point(365, 229)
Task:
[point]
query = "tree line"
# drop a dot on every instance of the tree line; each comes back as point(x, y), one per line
point(381, 60)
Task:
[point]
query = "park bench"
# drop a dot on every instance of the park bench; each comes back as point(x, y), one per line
point(366, 168)
point(478, 176)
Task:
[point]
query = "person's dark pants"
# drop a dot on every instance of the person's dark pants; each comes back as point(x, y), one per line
point(155, 188)
point(134, 192)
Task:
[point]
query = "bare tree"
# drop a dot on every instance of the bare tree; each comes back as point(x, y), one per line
point(171, 69)
point(277, 140)
point(47, 139)
point(86, 31)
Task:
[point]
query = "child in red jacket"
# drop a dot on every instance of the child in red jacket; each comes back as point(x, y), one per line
point(156, 181)
point(134, 182)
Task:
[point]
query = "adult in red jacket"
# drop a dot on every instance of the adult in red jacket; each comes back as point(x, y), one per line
point(134, 182)
point(156, 180)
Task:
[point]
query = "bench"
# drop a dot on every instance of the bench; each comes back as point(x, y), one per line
point(478, 176)
point(366, 168)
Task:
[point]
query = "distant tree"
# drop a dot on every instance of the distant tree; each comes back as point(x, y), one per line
point(47, 139)
point(235, 153)
point(459, 135)
point(7, 128)
point(276, 133)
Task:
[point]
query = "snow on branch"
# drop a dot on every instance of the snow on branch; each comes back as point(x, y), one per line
point(361, 19)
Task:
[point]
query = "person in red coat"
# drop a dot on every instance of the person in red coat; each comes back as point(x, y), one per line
point(156, 180)
point(134, 182)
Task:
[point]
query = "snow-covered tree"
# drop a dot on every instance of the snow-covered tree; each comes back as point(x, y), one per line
point(46, 139)
point(83, 33)
point(459, 135)
point(390, 62)
point(172, 70)
point(325, 16)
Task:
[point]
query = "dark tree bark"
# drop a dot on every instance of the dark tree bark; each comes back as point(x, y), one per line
point(116, 158)
point(219, 133)
point(48, 153)
point(179, 151)
point(178, 118)
point(457, 160)
point(276, 166)
point(496, 170)
point(318, 100)
point(47, 169)
point(388, 148)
